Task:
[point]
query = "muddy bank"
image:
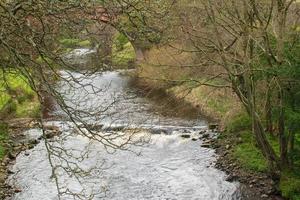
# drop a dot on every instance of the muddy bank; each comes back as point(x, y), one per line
point(169, 103)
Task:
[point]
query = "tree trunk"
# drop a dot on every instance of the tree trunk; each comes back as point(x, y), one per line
point(291, 144)
point(268, 111)
point(264, 144)
point(283, 142)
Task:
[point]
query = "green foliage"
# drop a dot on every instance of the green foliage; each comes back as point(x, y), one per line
point(296, 153)
point(14, 86)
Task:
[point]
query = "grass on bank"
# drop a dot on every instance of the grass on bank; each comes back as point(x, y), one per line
point(248, 155)
point(75, 43)
point(161, 65)
point(123, 53)
point(173, 70)
point(17, 99)
point(69, 44)
point(246, 152)
point(223, 105)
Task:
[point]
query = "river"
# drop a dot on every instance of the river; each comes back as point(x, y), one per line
point(159, 165)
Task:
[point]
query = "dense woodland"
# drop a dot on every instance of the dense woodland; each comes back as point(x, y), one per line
point(237, 61)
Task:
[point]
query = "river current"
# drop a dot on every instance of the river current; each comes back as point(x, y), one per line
point(161, 165)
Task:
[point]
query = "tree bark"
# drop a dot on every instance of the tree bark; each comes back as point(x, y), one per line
point(291, 144)
point(283, 142)
point(263, 143)
point(268, 112)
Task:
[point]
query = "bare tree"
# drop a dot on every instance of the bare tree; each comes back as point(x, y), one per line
point(248, 43)
point(29, 45)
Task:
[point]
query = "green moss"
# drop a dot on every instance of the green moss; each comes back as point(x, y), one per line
point(3, 138)
point(44, 60)
point(246, 151)
point(123, 53)
point(18, 82)
point(69, 42)
point(120, 40)
point(28, 109)
point(290, 185)
point(84, 43)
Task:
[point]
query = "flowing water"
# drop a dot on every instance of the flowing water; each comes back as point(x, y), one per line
point(163, 166)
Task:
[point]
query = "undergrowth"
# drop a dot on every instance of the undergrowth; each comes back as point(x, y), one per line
point(248, 155)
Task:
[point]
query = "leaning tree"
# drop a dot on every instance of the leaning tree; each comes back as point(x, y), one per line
point(254, 48)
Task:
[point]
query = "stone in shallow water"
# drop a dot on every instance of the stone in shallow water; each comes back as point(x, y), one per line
point(185, 136)
point(213, 126)
point(166, 168)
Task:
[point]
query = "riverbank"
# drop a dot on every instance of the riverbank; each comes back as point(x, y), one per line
point(19, 108)
point(13, 144)
point(17, 101)
point(16, 142)
point(182, 170)
point(238, 154)
point(255, 185)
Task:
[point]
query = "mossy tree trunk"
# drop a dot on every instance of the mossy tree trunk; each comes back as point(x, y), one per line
point(268, 112)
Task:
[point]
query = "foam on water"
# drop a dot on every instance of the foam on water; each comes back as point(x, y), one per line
point(166, 167)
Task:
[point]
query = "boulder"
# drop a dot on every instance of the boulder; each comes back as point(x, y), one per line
point(206, 145)
point(213, 126)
